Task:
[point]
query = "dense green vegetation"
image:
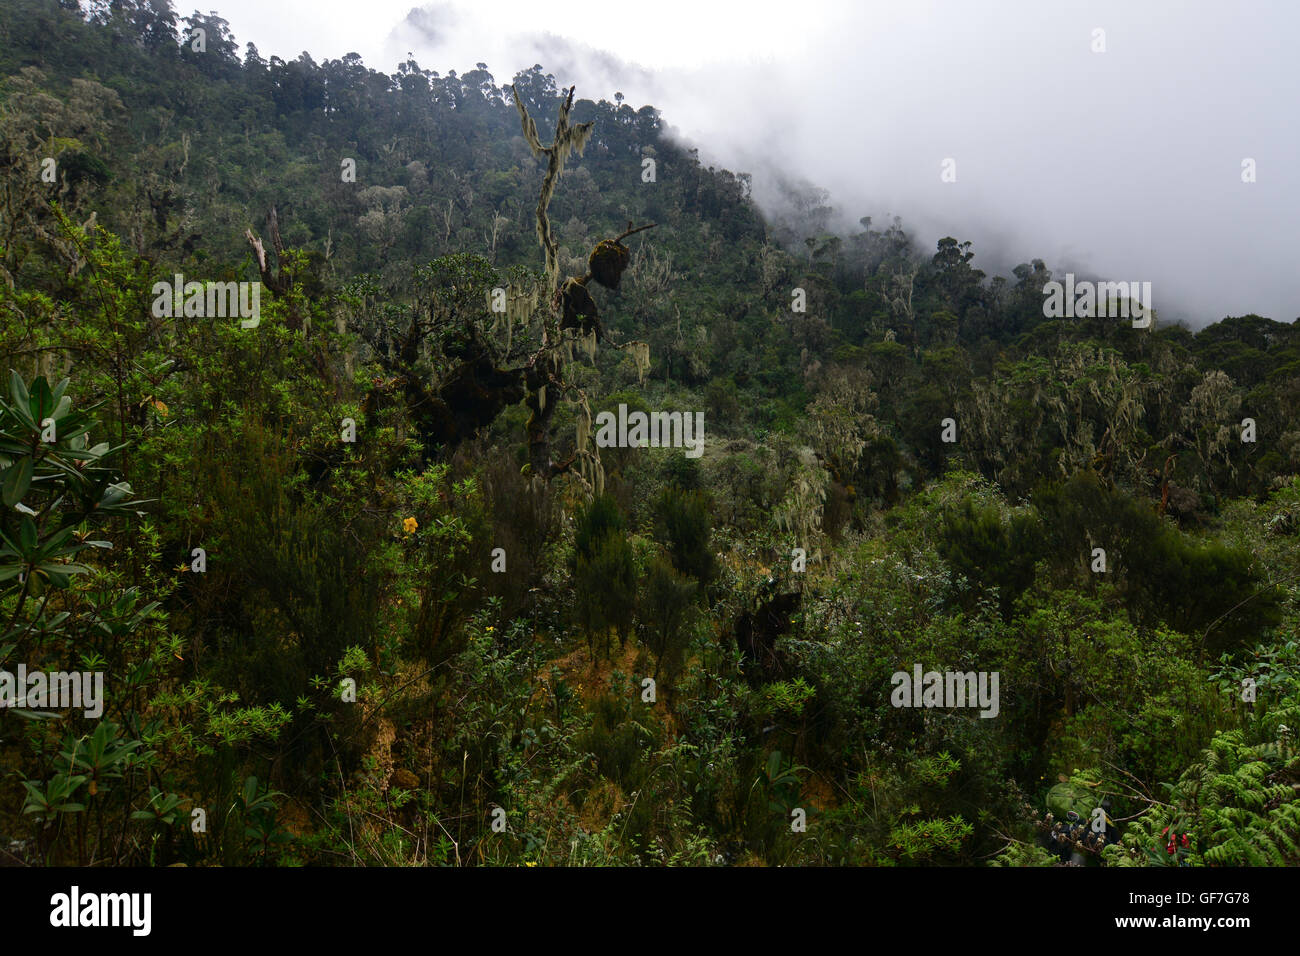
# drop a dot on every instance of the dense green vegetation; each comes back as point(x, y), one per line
point(320, 650)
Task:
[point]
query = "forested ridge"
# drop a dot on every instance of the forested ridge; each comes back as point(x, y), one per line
point(367, 584)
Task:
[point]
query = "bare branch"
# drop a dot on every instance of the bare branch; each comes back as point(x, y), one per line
point(632, 232)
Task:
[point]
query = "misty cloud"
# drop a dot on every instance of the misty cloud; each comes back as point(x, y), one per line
point(1124, 164)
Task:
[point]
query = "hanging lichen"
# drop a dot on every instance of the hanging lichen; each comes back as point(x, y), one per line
point(587, 467)
point(521, 303)
point(800, 512)
point(640, 353)
point(839, 421)
point(584, 427)
point(572, 307)
point(568, 140)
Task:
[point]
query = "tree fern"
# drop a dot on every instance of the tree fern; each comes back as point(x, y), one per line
point(1242, 803)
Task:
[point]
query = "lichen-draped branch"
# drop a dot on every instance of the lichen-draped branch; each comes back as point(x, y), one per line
point(568, 139)
point(572, 306)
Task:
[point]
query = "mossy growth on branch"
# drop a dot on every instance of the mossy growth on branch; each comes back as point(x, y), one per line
point(580, 311)
point(607, 262)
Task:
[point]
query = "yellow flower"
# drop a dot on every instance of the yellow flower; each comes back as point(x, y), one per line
point(490, 629)
point(409, 525)
point(530, 863)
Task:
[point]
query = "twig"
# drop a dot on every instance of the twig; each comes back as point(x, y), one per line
point(632, 232)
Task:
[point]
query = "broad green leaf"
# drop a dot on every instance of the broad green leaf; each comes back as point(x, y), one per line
point(27, 536)
point(41, 402)
point(16, 482)
point(17, 390)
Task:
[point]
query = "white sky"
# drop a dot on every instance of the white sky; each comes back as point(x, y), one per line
point(1128, 162)
point(649, 33)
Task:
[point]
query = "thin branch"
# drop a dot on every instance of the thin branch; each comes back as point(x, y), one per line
point(633, 232)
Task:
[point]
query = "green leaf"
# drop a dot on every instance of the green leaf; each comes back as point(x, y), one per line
point(36, 714)
point(16, 482)
point(27, 537)
point(61, 408)
point(17, 390)
point(41, 402)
